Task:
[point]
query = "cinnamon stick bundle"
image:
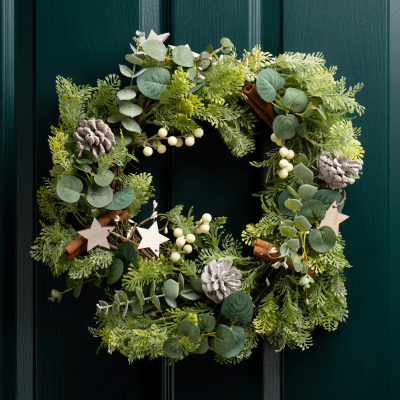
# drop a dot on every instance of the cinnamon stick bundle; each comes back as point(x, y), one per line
point(264, 109)
point(262, 250)
point(79, 245)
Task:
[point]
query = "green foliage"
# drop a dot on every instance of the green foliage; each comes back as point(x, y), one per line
point(177, 220)
point(83, 266)
point(119, 157)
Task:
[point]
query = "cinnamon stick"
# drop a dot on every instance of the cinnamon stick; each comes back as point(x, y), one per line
point(264, 109)
point(262, 250)
point(79, 245)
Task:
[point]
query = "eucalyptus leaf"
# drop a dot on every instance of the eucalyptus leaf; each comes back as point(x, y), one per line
point(103, 177)
point(226, 42)
point(192, 74)
point(293, 192)
point(115, 118)
point(173, 348)
point(321, 110)
point(195, 88)
point(303, 174)
point(328, 196)
point(183, 56)
point(126, 71)
point(197, 284)
point(203, 347)
point(302, 129)
point(171, 289)
point(136, 306)
point(133, 59)
point(85, 158)
point(130, 110)
point(69, 189)
point(140, 296)
point(307, 192)
point(189, 329)
point(122, 199)
point(294, 244)
point(155, 49)
point(206, 322)
point(309, 112)
point(127, 138)
point(293, 204)
point(117, 269)
point(268, 82)
point(286, 194)
point(152, 288)
point(126, 94)
point(115, 308)
point(285, 126)
point(127, 254)
point(84, 167)
point(210, 49)
point(295, 99)
point(205, 63)
point(171, 302)
point(313, 210)
point(240, 337)
point(238, 305)
point(153, 81)
point(181, 282)
point(301, 158)
point(70, 148)
point(323, 239)
point(279, 110)
point(288, 231)
point(78, 288)
point(302, 223)
point(99, 196)
point(130, 125)
point(154, 299)
point(225, 339)
point(189, 295)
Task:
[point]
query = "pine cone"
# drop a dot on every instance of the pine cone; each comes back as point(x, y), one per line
point(220, 280)
point(338, 173)
point(94, 135)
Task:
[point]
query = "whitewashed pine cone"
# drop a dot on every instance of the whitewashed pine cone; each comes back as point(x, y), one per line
point(220, 279)
point(94, 135)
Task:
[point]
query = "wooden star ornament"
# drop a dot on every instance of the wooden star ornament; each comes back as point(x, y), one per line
point(333, 218)
point(153, 36)
point(151, 238)
point(97, 235)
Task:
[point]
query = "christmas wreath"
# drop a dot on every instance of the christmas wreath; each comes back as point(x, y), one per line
point(195, 291)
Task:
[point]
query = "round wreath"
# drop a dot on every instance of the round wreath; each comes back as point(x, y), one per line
point(170, 297)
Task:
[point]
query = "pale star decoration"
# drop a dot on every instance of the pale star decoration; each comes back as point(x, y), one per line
point(153, 36)
point(195, 55)
point(97, 235)
point(151, 238)
point(333, 218)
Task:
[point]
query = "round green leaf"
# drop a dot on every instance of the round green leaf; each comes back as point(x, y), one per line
point(189, 329)
point(121, 199)
point(84, 167)
point(285, 126)
point(238, 305)
point(282, 199)
point(153, 81)
point(268, 82)
point(279, 111)
point(303, 174)
point(295, 99)
point(302, 129)
point(307, 192)
point(85, 158)
point(155, 49)
point(313, 210)
point(136, 306)
point(70, 148)
point(130, 109)
point(126, 94)
point(195, 88)
point(183, 56)
point(301, 158)
point(197, 284)
point(240, 337)
point(127, 138)
point(103, 177)
point(154, 299)
point(293, 204)
point(171, 289)
point(69, 189)
point(205, 63)
point(225, 339)
point(189, 295)
point(322, 240)
point(206, 323)
point(294, 244)
point(173, 348)
point(99, 196)
point(192, 74)
point(302, 223)
point(294, 193)
point(115, 118)
point(133, 59)
point(117, 268)
point(226, 42)
point(126, 71)
point(203, 347)
point(328, 196)
point(171, 302)
point(130, 125)
point(288, 231)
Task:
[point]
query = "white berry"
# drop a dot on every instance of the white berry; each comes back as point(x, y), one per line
point(172, 140)
point(178, 232)
point(279, 142)
point(162, 132)
point(283, 152)
point(190, 238)
point(290, 154)
point(161, 149)
point(198, 132)
point(147, 151)
point(179, 142)
point(187, 248)
point(289, 167)
point(274, 138)
point(180, 241)
point(283, 173)
point(206, 218)
point(156, 143)
point(175, 257)
point(204, 228)
point(283, 163)
point(189, 141)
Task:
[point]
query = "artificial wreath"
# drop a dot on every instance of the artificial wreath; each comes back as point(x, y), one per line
point(193, 292)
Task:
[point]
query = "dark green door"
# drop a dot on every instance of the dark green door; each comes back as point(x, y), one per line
point(46, 351)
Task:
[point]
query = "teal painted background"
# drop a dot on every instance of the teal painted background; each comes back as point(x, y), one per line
point(45, 351)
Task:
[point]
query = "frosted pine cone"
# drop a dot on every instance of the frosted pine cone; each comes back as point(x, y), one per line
point(94, 135)
point(220, 280)
point(338, 173)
